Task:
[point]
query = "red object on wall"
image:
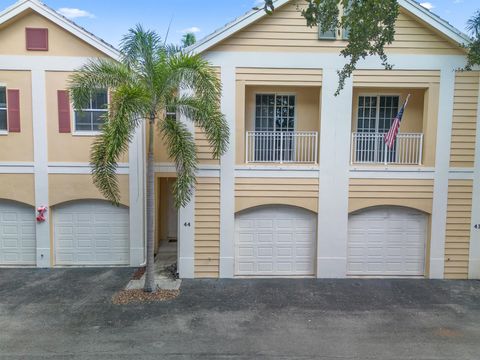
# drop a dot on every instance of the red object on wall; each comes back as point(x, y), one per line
point(63, 111)
point(13, 106)
point(36, 39)
point(41, 217)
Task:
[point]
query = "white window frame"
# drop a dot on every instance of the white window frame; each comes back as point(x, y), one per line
point(4, 131)
point(377, 114)
point(88, 132)
point(275, 108)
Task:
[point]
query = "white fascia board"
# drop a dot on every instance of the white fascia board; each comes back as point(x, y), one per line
point(242, 22)
point(435, 21)
point(230, 28)
point(61, 21)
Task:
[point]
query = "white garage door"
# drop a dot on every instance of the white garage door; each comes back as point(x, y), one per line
point(17, 234)
point(91, 232)
point(275, 241)
point(387, 241)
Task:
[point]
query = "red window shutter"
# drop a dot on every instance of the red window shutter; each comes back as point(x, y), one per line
point(63, 111)
point(13, 106)
point(37, 39)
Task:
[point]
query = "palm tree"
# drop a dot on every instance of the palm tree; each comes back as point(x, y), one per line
point(152, 82)
point(188, 39)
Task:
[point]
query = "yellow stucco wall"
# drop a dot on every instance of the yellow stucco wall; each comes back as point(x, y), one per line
point(66, 187)
point(207, 227)
point(19, 146)
point(60, 42)
point(65, 147)
point(457, 241)
point(17, 187)
point(286, 30)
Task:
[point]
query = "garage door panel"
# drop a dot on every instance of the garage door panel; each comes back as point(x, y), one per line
point(265, 238)
point(91, 232)
point(17, 234)
point(386, 241)
point(280, 242)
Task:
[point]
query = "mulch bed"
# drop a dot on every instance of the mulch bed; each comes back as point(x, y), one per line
point(125, 297)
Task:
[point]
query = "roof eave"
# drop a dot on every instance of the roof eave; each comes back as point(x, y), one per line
point(243, 21)
point(52, 15)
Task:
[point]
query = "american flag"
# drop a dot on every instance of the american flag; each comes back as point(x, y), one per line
point(392, 133)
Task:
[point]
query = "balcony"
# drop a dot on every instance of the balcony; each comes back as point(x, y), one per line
point(370, 148)
point(280, 147)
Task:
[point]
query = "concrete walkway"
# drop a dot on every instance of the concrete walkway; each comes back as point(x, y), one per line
point(67, 314)
point(166, 257)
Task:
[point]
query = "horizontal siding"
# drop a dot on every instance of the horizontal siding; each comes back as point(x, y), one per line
point(415, 193)
point(204, 150)
point(286, 30)
point(464, 119)
point(396, 78)
point(207, 227)
point(300, 192)
point(457, 241)
point(280, 76)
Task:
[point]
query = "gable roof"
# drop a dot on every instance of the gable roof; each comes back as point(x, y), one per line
point(253, 15)
point(60, 20)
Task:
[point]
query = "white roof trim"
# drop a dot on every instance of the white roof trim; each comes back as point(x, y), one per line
point(242, 22)
point(37, 6)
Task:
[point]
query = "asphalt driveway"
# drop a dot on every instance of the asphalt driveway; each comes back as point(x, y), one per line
point(67, 314)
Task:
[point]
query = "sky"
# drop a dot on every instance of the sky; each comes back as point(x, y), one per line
point(110, 19)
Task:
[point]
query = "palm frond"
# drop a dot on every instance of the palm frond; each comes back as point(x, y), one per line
point(181, 148)
point(96, 74)
point(139, 49)
point(127, 103)
point(195, 73)
point(207, 116)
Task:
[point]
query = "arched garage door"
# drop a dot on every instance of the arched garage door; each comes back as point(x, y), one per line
point(275, 240)
point(91, 232)
point(17, 234)
point(387, 241)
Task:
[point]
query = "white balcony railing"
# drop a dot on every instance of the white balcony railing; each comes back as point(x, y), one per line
point(281, 147)
point(370, 148)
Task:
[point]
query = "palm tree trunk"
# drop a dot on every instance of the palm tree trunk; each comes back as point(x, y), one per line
point(150, 270)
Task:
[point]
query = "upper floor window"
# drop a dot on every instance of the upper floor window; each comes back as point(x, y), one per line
point(37, 39)
point(334, 33)
point(92, 118)
point(274, 112)
point(376, 113)
point(3, 109)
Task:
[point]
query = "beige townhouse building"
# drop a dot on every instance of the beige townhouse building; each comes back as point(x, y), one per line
point(307, 188)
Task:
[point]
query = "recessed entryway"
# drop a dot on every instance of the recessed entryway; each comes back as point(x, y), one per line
point(275, 240)
point(387, 241)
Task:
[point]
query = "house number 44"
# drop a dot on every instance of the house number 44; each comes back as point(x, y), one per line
point(476, 226)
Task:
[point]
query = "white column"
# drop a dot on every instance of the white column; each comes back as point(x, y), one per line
point(474, 256)
point(186, 240)
point(442, 164)
point(186, 225)
point(227, 177)
point(335, 129)
point(136, 156)
point(40, 151)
